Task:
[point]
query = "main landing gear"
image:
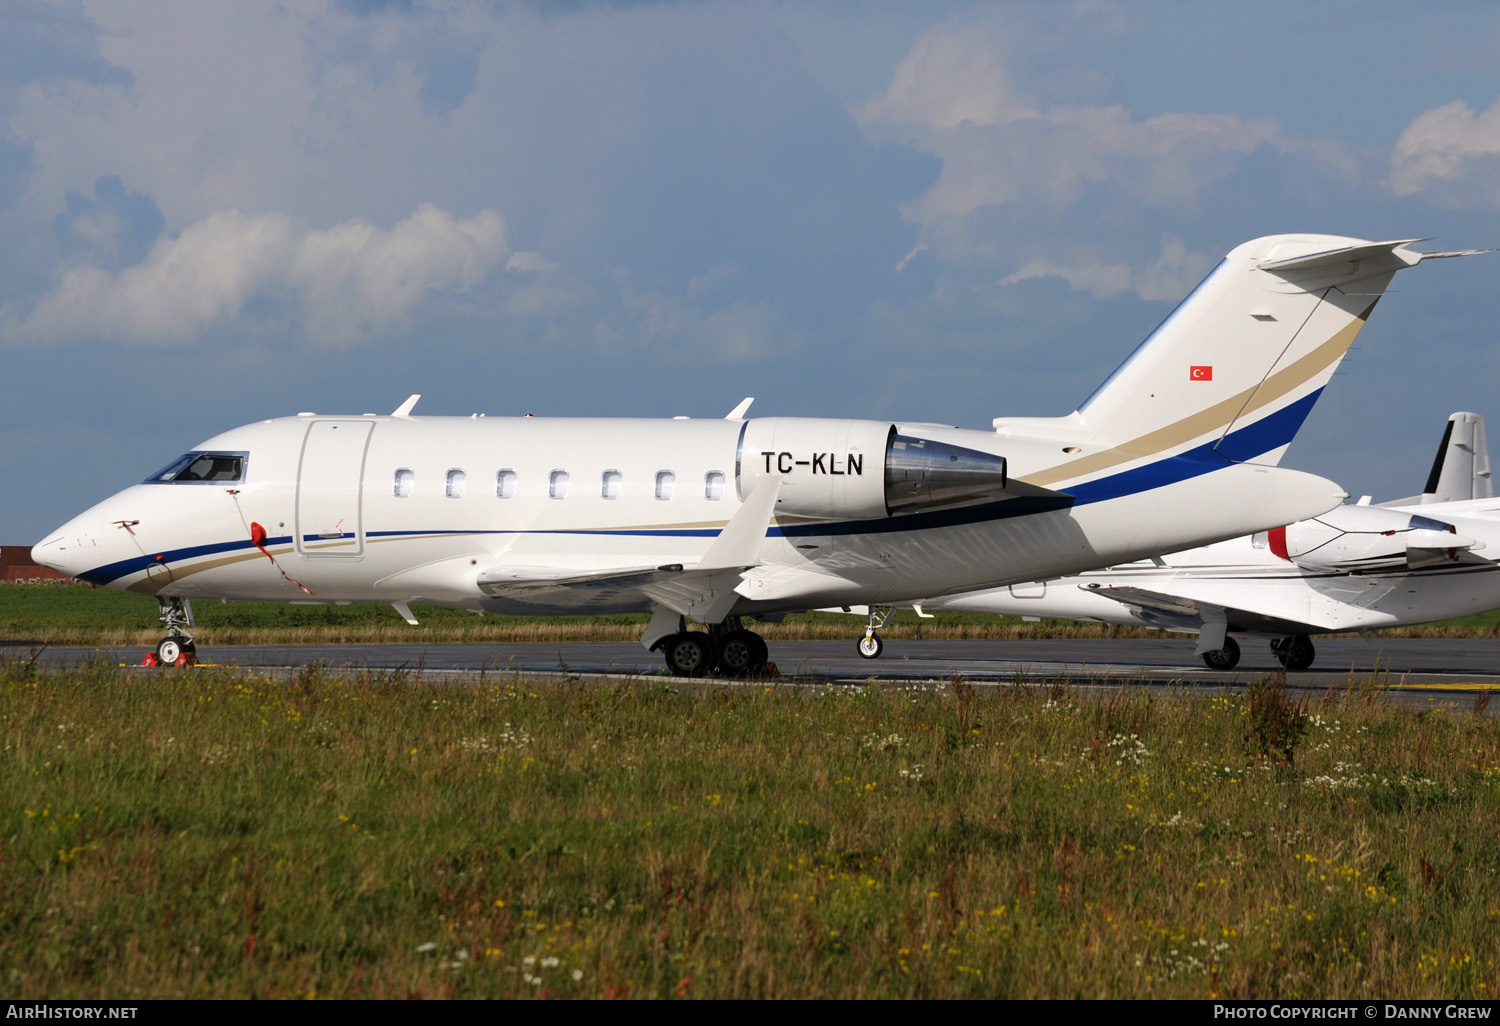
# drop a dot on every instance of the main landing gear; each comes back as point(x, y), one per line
point(870, 646)
point(1295, 652)
point(1226, 658)
point(177, 648)
point(726, 647)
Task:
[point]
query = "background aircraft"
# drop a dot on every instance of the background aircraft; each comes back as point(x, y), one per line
point(1358, 567)
point(719, 520)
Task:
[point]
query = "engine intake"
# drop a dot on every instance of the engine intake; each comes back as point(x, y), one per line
point(1353, 538)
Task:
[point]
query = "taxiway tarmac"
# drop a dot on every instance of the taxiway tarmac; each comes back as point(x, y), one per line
point(1412, 663)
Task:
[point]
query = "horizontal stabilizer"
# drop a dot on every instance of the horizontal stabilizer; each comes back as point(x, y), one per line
point(1454, 253)
point(1425, 538)
point(1341, 256)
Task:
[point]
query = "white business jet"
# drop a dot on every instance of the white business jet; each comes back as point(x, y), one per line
point(1358, 567)
point(717, 520)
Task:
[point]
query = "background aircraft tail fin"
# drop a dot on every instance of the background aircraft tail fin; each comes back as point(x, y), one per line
point(1462, 467)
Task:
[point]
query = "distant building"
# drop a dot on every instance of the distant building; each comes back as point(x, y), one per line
point(17, 567)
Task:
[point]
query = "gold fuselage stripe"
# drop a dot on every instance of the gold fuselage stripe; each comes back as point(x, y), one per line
point(1217, 417)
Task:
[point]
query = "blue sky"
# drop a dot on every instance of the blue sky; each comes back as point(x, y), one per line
point(212, 213)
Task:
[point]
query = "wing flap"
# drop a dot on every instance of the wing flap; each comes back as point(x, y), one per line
point(513, 579)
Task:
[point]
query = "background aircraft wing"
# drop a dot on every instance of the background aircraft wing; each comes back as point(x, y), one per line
point(1185, 612)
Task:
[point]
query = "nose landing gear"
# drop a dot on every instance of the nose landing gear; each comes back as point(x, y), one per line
point(870, 646)
point(177, 648)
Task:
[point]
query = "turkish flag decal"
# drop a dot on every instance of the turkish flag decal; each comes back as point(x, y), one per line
point(1201, 373)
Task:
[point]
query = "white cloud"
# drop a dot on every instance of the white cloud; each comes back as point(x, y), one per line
point(1450, 151)
point(1169, 277)
point(951, 76)
point(343, 283)
point(951, 97)
point(911, 255)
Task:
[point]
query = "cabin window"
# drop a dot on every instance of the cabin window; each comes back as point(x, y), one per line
point(405, 479)
point(557, 484)
point(713, 485)
point(610, 486)
point(505, 484)
point(1258, 540)
point(202, 468)
point(666, 483)
point(457, 481)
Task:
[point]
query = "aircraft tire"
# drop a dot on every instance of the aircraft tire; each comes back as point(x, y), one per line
point(870, 646)
point(167, 651)
point(690, 654)
point(1226, 658)
point(1295, 653)
point(742, 653)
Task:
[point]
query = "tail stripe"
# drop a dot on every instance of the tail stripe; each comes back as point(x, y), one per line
point(1216, 418)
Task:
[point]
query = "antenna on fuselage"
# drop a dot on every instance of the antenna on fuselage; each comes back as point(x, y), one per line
point(404, 410)
point(738, 413)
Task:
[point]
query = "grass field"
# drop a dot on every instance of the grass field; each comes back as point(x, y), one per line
point(221, 834)
point(80, 615)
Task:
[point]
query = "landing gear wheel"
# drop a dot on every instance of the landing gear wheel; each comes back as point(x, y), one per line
point(690, 654)
point(742, 653)
point(174, 651)
point(1294, 653)
point(870, 646)
point(1226, 658)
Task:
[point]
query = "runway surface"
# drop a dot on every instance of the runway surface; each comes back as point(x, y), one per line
point(1410, 664)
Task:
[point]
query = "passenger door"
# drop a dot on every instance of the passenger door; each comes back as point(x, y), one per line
point(329, 479)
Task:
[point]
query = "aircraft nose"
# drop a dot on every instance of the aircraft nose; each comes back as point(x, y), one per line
point(59, 551)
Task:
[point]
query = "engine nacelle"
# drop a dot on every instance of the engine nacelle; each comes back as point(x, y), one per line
point(1352, 538)
point(861, 469)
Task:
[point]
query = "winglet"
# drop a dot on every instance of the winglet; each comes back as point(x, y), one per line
point(738, 413)
point(404, 410)
point(738, 545)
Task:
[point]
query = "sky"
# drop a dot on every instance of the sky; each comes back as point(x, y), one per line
point(212, 214)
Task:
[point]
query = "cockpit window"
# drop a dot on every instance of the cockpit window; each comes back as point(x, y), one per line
point(202, 468)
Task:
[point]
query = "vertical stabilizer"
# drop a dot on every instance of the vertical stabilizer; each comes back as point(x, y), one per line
point(1233, 371)
point(1240, 362)
point(1462, 467)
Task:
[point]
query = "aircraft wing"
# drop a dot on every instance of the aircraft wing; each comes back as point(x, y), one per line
point(1187, 613)
point(704, 590)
